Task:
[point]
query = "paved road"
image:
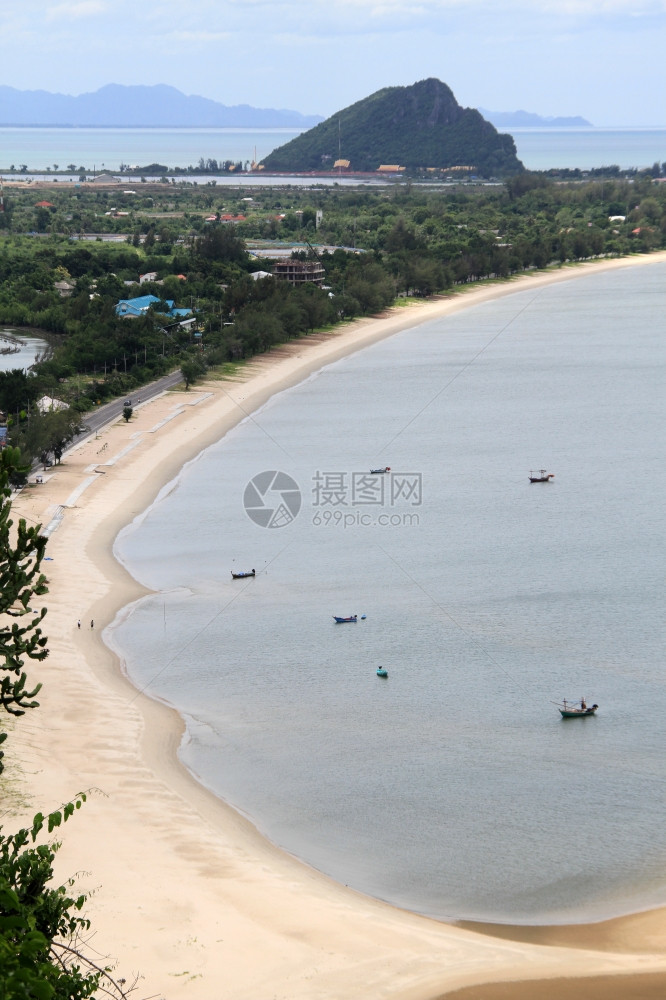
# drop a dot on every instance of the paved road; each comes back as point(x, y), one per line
point(98, 418)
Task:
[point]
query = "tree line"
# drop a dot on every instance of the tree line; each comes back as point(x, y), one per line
point(375, 246)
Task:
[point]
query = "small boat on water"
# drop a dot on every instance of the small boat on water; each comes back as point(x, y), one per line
point(351, 618)
point(576, 709)
point(379, 472)
point(242, 576)
point(382, 672)
point(541, 476)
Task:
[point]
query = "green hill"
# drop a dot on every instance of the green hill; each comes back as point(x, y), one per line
point(414, 127)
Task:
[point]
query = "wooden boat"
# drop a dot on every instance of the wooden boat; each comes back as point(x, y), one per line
point(379, 472)
point(542, 476)
point(351, 618)
point(576, 709)
point(382, 672)
point(242, 576)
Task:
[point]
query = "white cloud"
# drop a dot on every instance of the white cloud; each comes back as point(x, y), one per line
point(325, 20)
point(196, 37)
point(76, 11)
point(557, 56)
point(327, 10)
point(598, 8)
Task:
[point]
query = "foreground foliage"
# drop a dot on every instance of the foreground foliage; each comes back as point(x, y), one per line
point(44, 954)
point(21, 581)
point(40, 925)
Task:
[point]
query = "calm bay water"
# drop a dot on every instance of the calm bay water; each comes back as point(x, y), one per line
point(105, 149)
point(29, 348)
point(453, 788)
point(586, 148)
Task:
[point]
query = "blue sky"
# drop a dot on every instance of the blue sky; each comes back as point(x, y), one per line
point(602, 59)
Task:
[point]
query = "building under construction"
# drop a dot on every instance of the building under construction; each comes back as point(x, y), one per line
point(299, 272)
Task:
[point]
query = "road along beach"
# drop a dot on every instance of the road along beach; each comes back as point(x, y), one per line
point(186, 893)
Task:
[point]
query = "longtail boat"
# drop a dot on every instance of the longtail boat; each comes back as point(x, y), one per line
point(576, 709)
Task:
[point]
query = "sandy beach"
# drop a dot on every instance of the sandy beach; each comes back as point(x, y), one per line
point(185, 893)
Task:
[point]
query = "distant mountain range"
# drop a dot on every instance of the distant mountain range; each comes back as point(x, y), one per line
point(157, 106)
point(163, 106)
point(525, 119)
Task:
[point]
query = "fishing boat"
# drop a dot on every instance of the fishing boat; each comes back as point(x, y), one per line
point(576, 709)
point(541, 476)
point(379, 472)
point(242, 576)
point(382, 672)
point(351, 618)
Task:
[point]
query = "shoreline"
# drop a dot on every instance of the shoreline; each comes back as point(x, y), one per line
point(187, 892)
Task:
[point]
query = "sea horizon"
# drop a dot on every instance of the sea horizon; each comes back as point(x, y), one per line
point(105, 148)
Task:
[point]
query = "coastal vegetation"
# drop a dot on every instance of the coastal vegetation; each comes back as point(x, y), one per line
point(68, 259)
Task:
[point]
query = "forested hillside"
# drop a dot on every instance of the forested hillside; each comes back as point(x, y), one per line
point(418, 127)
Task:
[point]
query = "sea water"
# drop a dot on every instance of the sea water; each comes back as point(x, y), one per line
point(587, 148)
point(103, 149)
point(453, 787)
point(30, 349)
point(108, 148)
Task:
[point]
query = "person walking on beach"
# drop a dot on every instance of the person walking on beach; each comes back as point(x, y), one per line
point(92, 623)
point(79, 623)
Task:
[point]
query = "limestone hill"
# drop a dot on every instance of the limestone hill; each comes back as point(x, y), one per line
point(416, 127)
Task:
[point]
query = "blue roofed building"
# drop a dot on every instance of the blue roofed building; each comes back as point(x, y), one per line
point(140, 305)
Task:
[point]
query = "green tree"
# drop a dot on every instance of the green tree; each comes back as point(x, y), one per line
point(192, 369)
point(42, 947)
point(220, 244)
point(47, 434)
point(17, 390)
point(315, 305)
point(21, 580)
point(40, 929)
